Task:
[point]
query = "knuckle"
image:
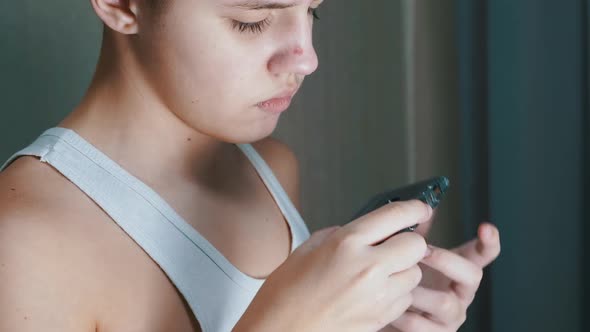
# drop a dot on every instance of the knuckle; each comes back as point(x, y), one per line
point(347, 241)
point(370, 272)
point(420, 243)
point(449, 307)
point(407, 300)
point(462, 318)
point(399, 305)
point(343, 247)
point(416, 274)
point(478, 277)
point(442, 258)
point(412, 323)
point(410, 278)
point(416, 242)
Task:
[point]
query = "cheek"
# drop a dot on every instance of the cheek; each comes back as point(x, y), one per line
point(210, 78)
point(217, 71)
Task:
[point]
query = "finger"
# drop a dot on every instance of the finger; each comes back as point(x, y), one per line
point(400, 252)
point(442, 307)
point(398, 308)
point(425, 227)
point(485, 248)
point(411, 322)
point(465, 274)
point(403, 282)
point(382, 223)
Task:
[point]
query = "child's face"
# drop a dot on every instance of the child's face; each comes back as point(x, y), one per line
point(212, 71)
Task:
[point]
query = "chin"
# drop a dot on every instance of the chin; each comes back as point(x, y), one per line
point(256, 133)
point(243, 137)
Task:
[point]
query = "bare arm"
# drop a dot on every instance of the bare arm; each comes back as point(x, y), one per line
point(38, 280)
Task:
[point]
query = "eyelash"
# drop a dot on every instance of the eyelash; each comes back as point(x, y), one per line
point(258, 27)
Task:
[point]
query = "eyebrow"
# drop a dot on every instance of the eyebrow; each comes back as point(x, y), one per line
point(263, 4)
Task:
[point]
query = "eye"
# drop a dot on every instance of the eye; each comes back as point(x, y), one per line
point(254, 27)
point(258, 27)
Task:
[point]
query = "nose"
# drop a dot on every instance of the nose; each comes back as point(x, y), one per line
point(297, 54)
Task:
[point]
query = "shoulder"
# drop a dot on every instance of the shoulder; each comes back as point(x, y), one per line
point(284, 163)
point(278, 155)
point(39, 264)
point(40, 276)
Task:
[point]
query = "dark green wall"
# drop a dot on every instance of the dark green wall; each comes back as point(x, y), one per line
point(586, 187)
point(48, 53)
point(347, 125)
point(529, 76)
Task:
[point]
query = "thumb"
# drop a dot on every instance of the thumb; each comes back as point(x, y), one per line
point(485, 248)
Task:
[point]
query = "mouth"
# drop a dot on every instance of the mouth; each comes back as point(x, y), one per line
point(279, 103)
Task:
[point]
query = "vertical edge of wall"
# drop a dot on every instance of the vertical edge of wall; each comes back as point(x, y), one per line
point(585, 305)
point(347, 124)
point(535, 111)
point(409, 54)
point(474, 186)
point(435, 110)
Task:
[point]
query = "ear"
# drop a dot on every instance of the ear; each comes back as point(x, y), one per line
point(119, 15)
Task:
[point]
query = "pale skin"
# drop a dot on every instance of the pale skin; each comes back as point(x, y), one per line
point(450, 282)
point(184, 82)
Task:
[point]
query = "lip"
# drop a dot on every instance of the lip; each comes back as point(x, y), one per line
point(279, 103)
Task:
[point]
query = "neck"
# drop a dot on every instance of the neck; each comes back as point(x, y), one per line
point(123, 117)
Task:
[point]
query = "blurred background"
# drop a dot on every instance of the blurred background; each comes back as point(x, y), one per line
point(492, 94)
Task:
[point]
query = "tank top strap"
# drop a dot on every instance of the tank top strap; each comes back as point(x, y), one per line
point(299, 229)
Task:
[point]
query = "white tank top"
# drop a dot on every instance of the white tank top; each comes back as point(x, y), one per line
point(216, 291)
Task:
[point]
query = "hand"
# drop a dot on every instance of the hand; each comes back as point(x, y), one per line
point(357, 277)
point(450, 280)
